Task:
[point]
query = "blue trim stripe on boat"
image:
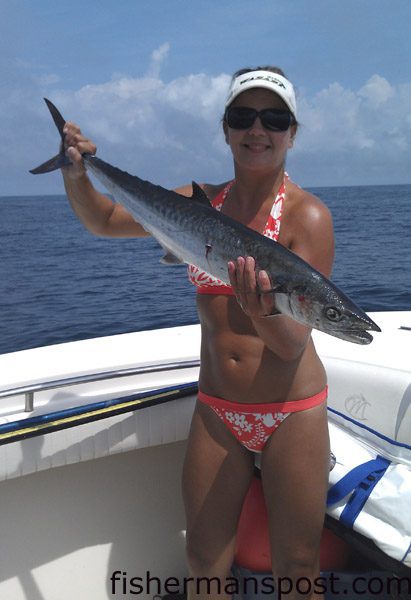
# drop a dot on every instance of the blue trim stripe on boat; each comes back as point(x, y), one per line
point(406, 553)
point(79, 415)
point(376, 433)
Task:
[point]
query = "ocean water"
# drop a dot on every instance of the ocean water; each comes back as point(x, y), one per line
point(59, 283)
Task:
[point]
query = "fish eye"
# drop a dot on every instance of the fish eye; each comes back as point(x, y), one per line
point(333, 314)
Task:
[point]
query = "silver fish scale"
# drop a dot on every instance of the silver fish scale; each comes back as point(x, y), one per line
point(198, 234)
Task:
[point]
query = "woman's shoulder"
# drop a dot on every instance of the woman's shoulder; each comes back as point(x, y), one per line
point(306, 219)
point(306, 207)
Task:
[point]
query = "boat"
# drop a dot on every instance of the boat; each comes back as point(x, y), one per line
point(92, 440)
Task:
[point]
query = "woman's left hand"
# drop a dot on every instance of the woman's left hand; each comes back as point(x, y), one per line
point(251, 288)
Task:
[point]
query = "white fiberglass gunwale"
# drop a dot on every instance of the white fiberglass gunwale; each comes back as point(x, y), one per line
point(97, 372)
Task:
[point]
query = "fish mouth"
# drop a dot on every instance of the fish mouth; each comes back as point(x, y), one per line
point(357, 336)
point(357, 332)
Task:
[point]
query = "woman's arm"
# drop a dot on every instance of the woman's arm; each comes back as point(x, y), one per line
point(97, 212)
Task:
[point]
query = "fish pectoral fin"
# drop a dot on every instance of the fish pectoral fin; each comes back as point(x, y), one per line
point(199, 195)
point(275, 311)
point(278, 292)
point(170, 259)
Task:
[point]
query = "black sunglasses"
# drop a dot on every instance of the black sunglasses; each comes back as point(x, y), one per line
point(241, 117)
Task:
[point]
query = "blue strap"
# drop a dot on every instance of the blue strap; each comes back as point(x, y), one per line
point(361, 481)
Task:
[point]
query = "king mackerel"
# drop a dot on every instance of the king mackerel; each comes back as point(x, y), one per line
point(191, 231)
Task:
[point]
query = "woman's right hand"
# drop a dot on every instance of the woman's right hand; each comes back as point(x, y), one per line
point(75, 144)
point(95, 210)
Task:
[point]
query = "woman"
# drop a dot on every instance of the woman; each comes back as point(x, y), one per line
point(262, 385)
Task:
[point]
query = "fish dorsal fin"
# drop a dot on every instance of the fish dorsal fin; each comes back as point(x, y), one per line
point(199, 195)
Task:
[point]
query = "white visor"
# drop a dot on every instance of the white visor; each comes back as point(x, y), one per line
point(267, 80)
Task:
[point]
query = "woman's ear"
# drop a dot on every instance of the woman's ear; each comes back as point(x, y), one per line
point(293, 133)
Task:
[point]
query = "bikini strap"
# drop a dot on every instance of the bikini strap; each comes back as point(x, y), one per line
point(219, 200)
point(272, 227)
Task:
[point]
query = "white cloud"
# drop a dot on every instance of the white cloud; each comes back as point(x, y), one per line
point(158, 57)
point(359, 135)
point(377, 91)
point(170, 132)
point(197, 95)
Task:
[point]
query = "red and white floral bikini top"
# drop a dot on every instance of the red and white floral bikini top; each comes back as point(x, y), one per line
point(207, 284)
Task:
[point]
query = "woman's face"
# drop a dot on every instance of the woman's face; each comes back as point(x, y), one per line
point(258, 148)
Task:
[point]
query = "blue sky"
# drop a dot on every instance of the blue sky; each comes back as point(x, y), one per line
point(146, 80)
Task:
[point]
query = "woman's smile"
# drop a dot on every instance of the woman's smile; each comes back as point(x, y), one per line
point(257, 147)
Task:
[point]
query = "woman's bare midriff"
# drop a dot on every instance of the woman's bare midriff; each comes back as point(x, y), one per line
point(236, 365)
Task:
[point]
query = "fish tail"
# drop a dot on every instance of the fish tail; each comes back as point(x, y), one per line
point(60, 160)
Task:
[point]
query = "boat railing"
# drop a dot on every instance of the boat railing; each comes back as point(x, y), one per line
point(31, 389)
